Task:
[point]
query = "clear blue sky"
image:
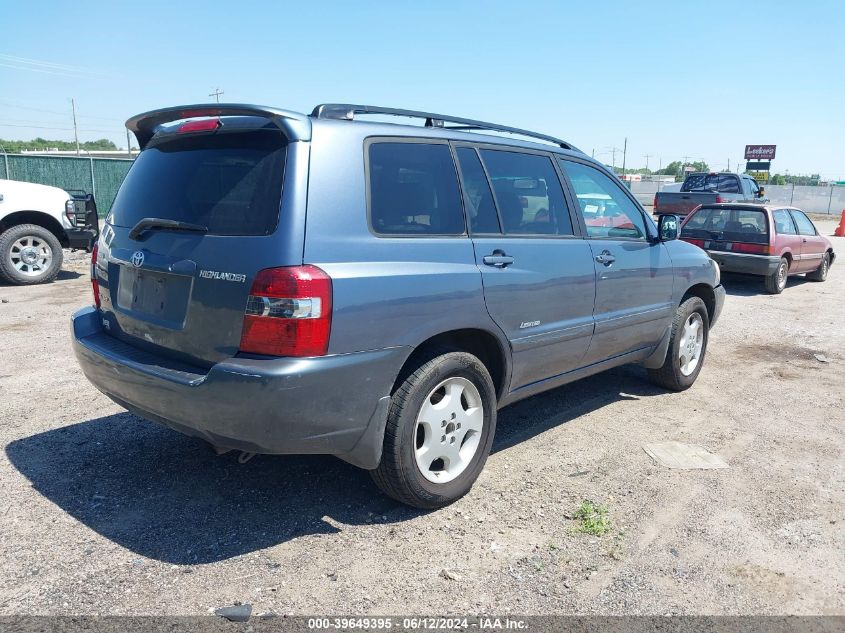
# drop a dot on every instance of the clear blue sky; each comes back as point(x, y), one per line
point(696, 79)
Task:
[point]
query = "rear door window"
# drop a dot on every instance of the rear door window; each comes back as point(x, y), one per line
point(478, 198)
point(228, 182)
point(528, 193)
point(413, 190)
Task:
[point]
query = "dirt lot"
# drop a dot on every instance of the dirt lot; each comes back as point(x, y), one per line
point(103, 513)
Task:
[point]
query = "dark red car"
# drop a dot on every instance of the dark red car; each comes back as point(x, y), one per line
point(770, 241)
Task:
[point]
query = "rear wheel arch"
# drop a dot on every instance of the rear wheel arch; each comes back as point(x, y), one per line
point(38, 218)
point(480, 343)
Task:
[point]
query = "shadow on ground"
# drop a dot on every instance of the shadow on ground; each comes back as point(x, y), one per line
point(752, 285)
point(64, 275)
point(169, 497)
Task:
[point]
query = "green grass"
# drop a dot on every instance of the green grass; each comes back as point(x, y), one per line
point(593, 519)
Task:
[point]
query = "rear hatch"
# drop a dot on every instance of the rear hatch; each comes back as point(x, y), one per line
point(728, 229)
point(193, 222)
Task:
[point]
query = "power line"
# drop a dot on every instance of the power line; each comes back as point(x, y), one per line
point(216, 94)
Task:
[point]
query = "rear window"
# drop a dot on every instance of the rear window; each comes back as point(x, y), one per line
point(723, 183)
point(414, 190)
point(730, 225)
point(229, 182)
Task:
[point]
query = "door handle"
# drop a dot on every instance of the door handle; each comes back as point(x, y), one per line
point(606, 258)
point(804, 240)
point(498, 259)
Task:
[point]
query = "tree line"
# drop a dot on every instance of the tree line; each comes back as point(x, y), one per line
point(41, 144)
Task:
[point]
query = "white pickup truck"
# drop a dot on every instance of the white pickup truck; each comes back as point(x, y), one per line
point(36, 223)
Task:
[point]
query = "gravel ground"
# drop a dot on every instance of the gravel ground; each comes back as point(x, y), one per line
point(104, 513)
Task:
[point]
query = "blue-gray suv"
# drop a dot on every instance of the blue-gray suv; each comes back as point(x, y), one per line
point(334, 283)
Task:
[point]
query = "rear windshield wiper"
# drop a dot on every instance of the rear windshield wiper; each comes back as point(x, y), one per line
point(165, 224)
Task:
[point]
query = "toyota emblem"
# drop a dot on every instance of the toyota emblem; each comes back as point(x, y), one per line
point(138, 259)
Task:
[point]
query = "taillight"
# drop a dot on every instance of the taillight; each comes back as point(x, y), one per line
point(720, 199)
point(755, 249)
point(70, 212)
point(95, 284)
point(204, 125)
point(288, 313)
point(699, 243)
point(654, 203)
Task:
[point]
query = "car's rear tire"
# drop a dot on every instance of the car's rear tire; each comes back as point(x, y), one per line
point(687, 347)
point(439, 431)
point(29, 254)
point(776, 281)
point(820, 273)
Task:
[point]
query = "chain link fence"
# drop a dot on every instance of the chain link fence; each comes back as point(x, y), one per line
point(99, 176)
point(826, 200)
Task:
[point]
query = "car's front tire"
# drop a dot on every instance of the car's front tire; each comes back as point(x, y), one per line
point(29, 254)
point(439, 431)
point(687, 347)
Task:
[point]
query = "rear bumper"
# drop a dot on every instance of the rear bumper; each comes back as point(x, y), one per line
point(82, 239)
point(333, 405)
point(745, 263)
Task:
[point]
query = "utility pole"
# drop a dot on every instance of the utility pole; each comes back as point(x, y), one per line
point(624, 155)
point(216, 94)
point(647, 156)
point(128, 144)
point(75, 132)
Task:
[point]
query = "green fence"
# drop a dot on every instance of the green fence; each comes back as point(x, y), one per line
point(100, 176)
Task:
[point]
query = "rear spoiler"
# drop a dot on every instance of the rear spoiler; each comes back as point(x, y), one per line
point(296, 126)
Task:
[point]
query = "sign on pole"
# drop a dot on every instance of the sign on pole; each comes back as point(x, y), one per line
point(760, 152)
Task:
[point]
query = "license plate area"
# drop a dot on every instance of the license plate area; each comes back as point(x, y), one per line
point(715, 245)
point(155, 296)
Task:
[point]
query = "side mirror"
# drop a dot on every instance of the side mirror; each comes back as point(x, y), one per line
point(762, 192)
point(668, 227)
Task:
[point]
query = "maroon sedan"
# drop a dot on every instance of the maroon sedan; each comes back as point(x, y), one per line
point(770, 241)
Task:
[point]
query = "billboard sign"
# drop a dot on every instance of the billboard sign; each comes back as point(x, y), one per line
point(758, 165)
point(760, 152)
point(759, 176)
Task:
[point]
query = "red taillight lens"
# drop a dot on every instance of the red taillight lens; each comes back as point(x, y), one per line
point(720, 199)
point(699, 243)
point(204, 125)
point(289, 312)
point(654, 203)
point(95, 284)
point(755, 249)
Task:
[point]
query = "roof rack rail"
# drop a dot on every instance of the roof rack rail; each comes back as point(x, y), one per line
point(346, 111)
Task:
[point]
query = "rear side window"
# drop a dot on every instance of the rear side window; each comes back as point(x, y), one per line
point(723, 183)
point(528, 193)
point(805, 226)
point(229, 182)
point(414, 190)
point(783, 222)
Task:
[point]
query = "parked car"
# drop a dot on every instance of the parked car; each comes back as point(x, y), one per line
point(771, 241)
point(280, 283)
point(36, 222)
point(708, 188)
